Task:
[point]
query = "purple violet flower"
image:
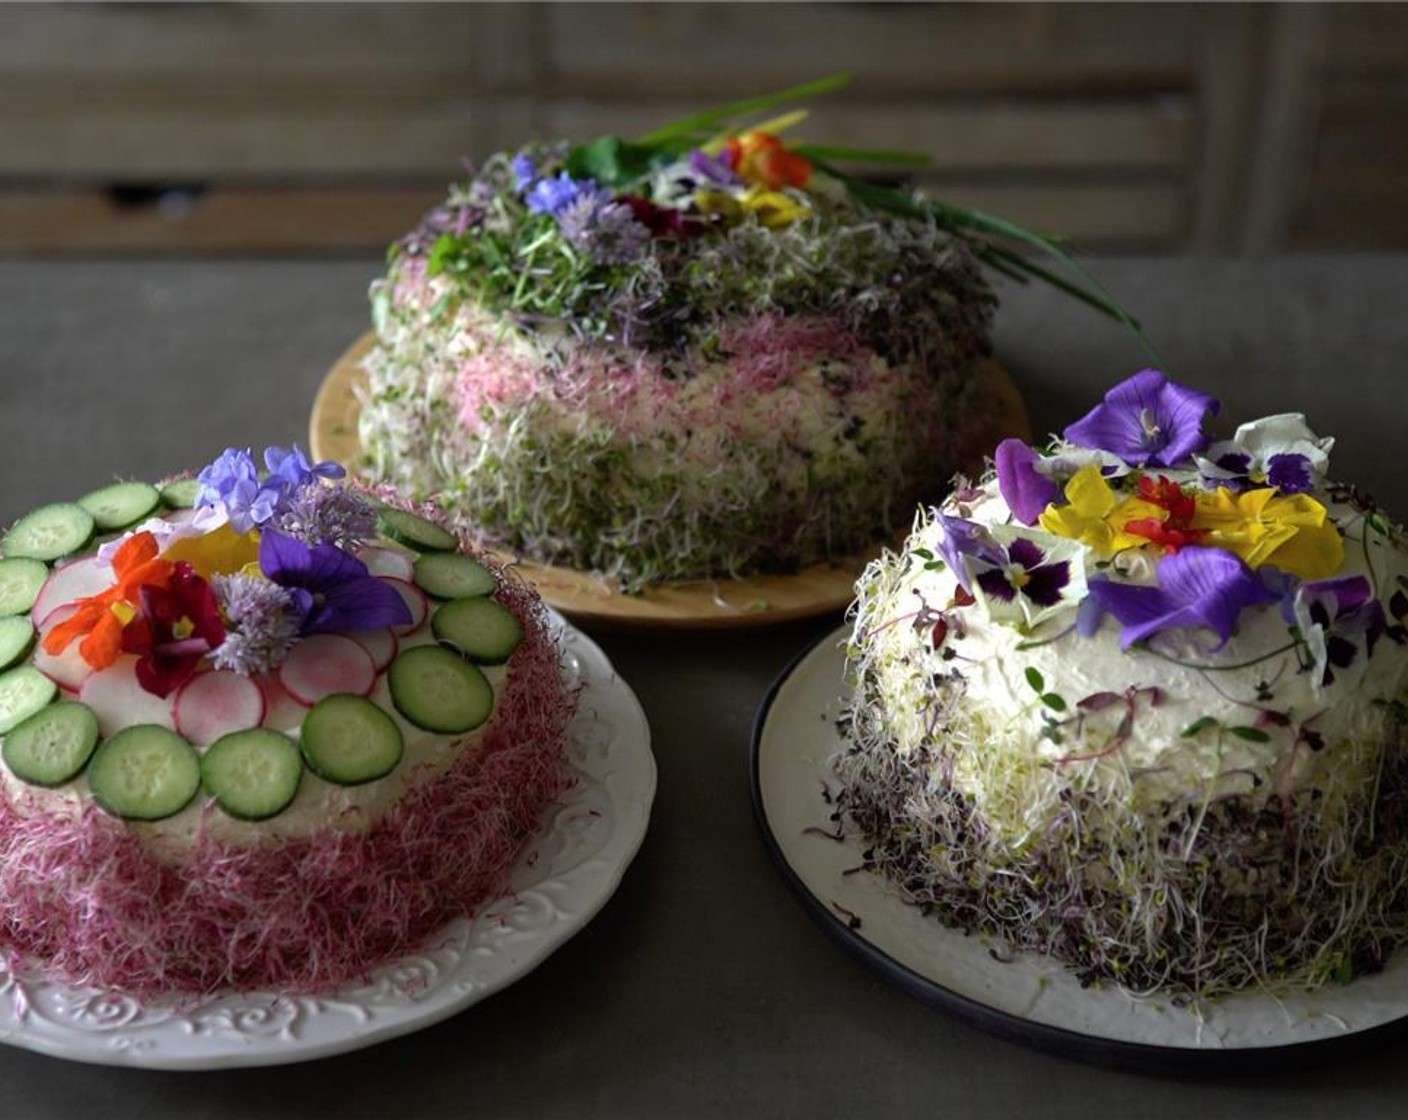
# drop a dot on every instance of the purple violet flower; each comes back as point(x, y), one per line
point(333, 590)
point(1146, 420)
point(1025, 491)
point(1197, 587)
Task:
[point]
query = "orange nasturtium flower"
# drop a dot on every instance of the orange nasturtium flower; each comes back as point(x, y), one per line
point(760, 160)
point(100, 618)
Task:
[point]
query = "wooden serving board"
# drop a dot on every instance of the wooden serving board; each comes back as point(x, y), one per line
point(685, 605)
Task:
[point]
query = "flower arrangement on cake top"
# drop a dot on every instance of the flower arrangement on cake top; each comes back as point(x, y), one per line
point(1138, 698)
point(266, 559)
point(707, 352)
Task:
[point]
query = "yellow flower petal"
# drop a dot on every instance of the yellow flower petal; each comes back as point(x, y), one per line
point(1291, 531)
point(220, 552)
point(1094, 516)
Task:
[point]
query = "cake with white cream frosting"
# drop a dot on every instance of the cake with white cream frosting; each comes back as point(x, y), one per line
point(1137, 700)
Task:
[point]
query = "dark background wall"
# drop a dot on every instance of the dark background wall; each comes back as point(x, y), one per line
point(316, 128)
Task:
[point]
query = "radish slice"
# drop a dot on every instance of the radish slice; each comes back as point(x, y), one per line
point(387, 562)
point(381, 644)
point(78, 580)
point(68, 670)
point(119, 701)
point(213, 704)
point(281, 711)
point(322, 664)
point(416, 602)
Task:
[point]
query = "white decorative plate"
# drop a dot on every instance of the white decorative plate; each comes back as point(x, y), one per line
point(1025, 998)
point(564, 876)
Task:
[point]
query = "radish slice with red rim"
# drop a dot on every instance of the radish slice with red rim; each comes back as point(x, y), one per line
point(322, 664)
point(216, 703)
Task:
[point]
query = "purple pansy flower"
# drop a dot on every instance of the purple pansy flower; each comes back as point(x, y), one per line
point(1279, 451)
point(1336, 618)
point(1025, 491)
point(1036, 575)
point(1146, 420)
point(332, 590)
point(1197, 587)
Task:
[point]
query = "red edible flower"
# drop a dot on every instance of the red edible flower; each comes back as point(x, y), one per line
point(175, 627)
point(1176, 530)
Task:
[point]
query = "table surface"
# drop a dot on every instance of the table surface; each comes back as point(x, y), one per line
point(702, 988)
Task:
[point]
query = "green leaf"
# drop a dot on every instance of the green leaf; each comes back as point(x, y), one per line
point(1344, 971)
point(1054, 701)
point(611, 161)
point(1250, 734)
point(711, 118)
point(1197, 727)
point(444, 245)
point(1035, 679)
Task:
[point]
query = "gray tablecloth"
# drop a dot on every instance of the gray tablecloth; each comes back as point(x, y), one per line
point(702, 988)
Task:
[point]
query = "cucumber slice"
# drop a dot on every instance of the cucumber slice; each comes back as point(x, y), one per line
point(20, 584)
point(448, 575)
point(49, 532)
point(144, 773)
point(349, 740)
point(252, 774)
point(52, 746)
point(438, 691)
point(181, 494)
point(23, 692)
point(415, 531)
point(16, 638)
point(480, 629)
point(120, 505)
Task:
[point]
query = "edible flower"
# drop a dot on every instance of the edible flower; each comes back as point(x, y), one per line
point(773, 209)
point(1025, 491)
point(99, 619)
point(1197, 587)
point(1174, 529)
point(965, 540)
point(760, 159)
point(1096, 516)
point(332, 590)
point(1035, 575)
point(219, 551)
point(1293, 531)
point(1146, 420)
point(1336, 618)
point(289, 469)
point(178, 623)
point(552, 196)
point(1280, 451)
point(263, 618)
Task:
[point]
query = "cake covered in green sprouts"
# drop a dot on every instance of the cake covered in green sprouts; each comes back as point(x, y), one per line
point(1137, 700)
point(705, 353)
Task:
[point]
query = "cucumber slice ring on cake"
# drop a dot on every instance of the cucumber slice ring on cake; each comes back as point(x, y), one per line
point(348, 740)
point(439, 691)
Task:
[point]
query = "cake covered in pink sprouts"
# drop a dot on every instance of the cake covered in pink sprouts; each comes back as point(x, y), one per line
point(266, 731)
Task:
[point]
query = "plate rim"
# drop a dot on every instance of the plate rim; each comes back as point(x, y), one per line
point(702, 604)
point(631, 826)
point(1065, 1042)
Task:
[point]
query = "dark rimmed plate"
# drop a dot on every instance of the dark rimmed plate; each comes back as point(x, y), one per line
point(1024, 999)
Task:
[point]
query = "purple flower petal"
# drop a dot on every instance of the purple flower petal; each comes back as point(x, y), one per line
point(1025, 491)
point(965, 539)
point(1146, 420)
point(994, 583)
point(1197, 587)
point(1026, 553)
point(338, 595)
point(1289, 473)
point(1045, 584)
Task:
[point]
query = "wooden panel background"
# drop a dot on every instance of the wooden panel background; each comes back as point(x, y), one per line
point(318, 128)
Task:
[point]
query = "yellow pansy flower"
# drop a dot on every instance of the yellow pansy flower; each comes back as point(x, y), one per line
point(1096, 516)
point(1291, 531)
